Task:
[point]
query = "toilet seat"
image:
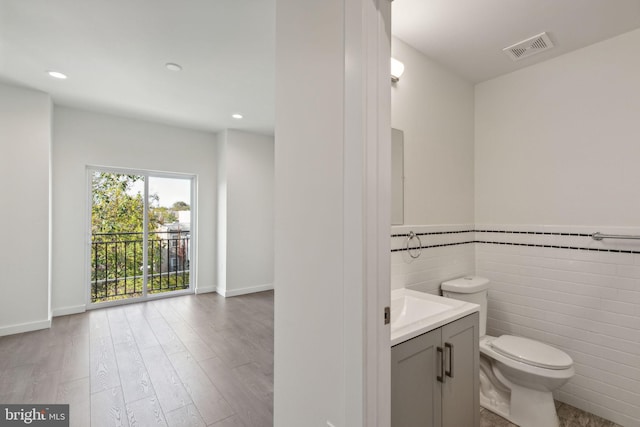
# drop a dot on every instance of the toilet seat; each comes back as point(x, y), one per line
point(531, 352)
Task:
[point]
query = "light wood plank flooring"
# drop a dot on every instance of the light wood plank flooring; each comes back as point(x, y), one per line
point(196, 360)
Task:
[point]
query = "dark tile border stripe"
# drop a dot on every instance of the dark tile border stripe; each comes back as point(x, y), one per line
point(577, 248)
point(431, 233)
point(434, 246)
point(539, 233)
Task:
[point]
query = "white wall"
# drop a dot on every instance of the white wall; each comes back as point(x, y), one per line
point(25, 138)
point(246, 209)
point(556, 152)
point(332, 157)
point(83, 138)
point(308, 371)
point(435, 109)
point(557, 143)
point(221, 217)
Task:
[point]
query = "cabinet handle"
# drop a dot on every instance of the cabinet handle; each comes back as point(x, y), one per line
point(449, 372)
point(440, 351)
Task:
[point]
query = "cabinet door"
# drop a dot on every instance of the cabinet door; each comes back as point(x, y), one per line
point(415, 392)
point(460, 390)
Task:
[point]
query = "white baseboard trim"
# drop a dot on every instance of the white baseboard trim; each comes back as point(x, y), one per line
point(243, 291)
point(205, 289)
point(73, 309)
point(24, 327)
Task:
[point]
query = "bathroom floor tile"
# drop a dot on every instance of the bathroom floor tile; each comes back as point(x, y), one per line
point(574, 417)
point(489, 419)
point(567, 414)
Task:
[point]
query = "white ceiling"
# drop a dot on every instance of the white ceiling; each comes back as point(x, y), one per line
point(467, 36)
point(114, 51)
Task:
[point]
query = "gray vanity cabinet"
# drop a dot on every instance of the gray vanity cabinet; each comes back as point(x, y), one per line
point(416, 395)
point(435, 377)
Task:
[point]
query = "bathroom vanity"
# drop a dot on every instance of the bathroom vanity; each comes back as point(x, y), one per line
point(435, 364)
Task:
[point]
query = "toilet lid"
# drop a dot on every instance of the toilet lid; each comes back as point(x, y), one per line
point(531, 352)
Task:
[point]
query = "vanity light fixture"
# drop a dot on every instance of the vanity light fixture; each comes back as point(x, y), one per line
point(397, 68)
point(57, 75)
point(236, 116)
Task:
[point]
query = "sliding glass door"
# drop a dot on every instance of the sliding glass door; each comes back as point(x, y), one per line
point(169, 235)
point(141, 232)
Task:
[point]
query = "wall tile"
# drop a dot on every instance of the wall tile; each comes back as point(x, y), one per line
point(582, 300)
point(436, 263)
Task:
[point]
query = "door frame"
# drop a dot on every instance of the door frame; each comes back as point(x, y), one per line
point(368, 121)
point(193, 178)
point(348, 50)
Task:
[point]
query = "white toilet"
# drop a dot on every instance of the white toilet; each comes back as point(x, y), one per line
point(517, 375)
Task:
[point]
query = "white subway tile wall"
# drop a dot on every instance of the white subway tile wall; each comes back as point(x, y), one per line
point(586, 303)
point(558, 286)
point(444, 256)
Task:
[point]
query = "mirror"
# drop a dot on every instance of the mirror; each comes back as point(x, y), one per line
point(397, 177)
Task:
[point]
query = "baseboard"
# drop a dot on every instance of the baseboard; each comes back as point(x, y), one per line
point(25, 327)
point(205, 289)
point(74, 309)
point(243, 291)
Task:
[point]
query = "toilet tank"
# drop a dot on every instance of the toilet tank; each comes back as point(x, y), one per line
point(470, 289)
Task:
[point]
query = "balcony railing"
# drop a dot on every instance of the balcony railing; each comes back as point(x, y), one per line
point(117, 264)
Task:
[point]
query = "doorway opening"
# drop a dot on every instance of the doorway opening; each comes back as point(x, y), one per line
point(142, 230)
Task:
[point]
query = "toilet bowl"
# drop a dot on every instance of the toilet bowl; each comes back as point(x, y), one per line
point(517, 375)
point(529, 383)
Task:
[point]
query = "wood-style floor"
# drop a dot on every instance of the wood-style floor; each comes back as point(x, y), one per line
point(186, 361)
point(196, 360)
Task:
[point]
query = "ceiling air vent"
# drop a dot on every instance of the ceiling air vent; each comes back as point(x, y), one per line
point(528, 47)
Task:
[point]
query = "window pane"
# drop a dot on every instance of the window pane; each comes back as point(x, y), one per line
point(169, 234)
point(117, 224)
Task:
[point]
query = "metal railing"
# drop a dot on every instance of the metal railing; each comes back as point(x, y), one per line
point(117, 264)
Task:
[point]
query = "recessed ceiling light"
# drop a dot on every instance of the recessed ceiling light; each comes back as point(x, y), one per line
point(173, 67)
point(237, 116)
point(57, 75)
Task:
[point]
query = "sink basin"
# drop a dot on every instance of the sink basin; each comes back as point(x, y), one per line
point(414, 313)
point(410, 309)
